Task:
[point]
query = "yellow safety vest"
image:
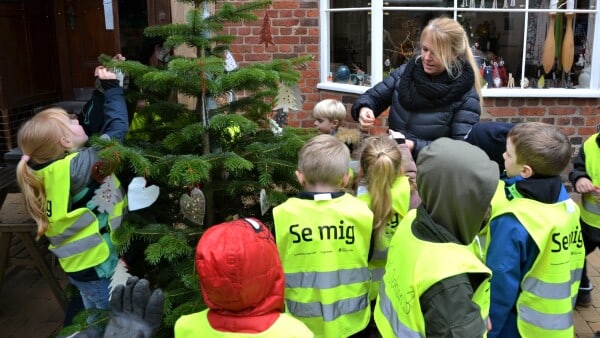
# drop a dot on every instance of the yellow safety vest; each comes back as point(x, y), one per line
point(499, 200)
point(413, 267)
point(324, 248)
point(400, 204)
point(196, 325)
point(548, 291)
point(75, 236)
point(590, 207)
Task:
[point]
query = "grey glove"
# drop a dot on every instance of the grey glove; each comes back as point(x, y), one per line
point(134, 311)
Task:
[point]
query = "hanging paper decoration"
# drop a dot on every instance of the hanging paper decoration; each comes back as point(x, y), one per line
point(264, 203)
point(288, 98)
point(265, 31)
point(106, 196)
point(230, 63)
point(275, 128)
point(193, 206)
point(140, 196)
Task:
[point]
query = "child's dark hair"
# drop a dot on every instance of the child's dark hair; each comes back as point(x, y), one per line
point(543, 147)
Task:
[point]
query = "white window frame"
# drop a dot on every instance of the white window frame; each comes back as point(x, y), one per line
point(377, 10)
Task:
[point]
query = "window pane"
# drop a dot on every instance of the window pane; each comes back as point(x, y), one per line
point(401, 33)
point(350, 45)
point(578, 4)
point(419, 3)
point(560, 60)
point(349, 3)
point(497, 41)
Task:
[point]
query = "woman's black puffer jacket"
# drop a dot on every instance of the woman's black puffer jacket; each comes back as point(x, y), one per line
point(453, 119)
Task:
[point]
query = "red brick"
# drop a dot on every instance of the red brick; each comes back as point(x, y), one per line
point(527, 111)
point(590, 110)
point(288, 22)
point(257, 57)
point(494, 111)
point(501, 102)
point(286, 14)
point(569, 131)
point(586, 131)
point(290, 40)
point(562, 110)
point(285, 4)
point(563, 121)
point(517, 102)
point(244, 31)
point(592, 121)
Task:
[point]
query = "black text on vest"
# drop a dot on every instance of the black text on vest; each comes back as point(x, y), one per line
point(326, 232)
point(48, 208)
point(562, 242)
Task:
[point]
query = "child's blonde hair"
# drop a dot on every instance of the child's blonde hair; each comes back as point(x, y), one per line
point(330, 109)
point(381, 162)
point(40, 141)
point(543, 147)
point(324, 159)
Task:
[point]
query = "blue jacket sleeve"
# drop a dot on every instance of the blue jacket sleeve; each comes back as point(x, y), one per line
point(116, 120)
point(510, 255)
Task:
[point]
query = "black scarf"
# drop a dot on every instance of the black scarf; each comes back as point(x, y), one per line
point(418, 91)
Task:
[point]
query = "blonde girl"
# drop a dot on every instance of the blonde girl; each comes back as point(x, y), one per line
point(73, 205)
point(388, 195)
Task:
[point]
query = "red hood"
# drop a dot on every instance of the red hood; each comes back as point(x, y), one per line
point(241, 276)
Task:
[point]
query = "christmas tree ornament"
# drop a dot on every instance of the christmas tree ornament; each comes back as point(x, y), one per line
point(264, 203)
point(265, 32)
point(288, 98)
point(193, 206)
point(140, 196)
point(106, 196)
point(275, 128)
point(230, 63)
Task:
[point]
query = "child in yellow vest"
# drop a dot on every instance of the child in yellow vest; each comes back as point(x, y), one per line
point(388, 195)
point(535, 250)
point(585, 178)
point(242, 284)
point(323, 236)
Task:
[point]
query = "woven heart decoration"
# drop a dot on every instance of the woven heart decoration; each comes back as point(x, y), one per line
point(193, 206)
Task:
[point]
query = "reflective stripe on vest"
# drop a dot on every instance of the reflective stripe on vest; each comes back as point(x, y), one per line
point(82, 222)
point(590, 206)
point(77, 247)
point(326, 280)
point(328, 312)
point(413, 266)
point(545, 304)
point(385, 305)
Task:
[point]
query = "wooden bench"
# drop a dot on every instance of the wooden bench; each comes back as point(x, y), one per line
point(24, 234)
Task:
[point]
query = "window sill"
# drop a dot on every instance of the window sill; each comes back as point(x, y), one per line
point(486, 92)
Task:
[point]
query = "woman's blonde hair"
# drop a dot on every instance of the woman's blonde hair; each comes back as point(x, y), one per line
point(451, 44)
point(381, 163)
point(40, 141)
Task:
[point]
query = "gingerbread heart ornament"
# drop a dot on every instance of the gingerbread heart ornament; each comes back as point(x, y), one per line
point(193, 206)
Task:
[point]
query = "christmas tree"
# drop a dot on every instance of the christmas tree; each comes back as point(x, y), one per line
point(220, 159)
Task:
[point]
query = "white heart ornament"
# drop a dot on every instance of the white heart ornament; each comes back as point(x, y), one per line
point(264, 203)
point(140, 196)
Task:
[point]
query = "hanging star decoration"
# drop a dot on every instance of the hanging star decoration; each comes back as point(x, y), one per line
point(265, 31)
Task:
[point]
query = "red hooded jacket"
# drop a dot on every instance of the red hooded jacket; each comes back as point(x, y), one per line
point(241, 276)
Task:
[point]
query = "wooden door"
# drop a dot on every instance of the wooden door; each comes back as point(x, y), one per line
point(88, 37)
